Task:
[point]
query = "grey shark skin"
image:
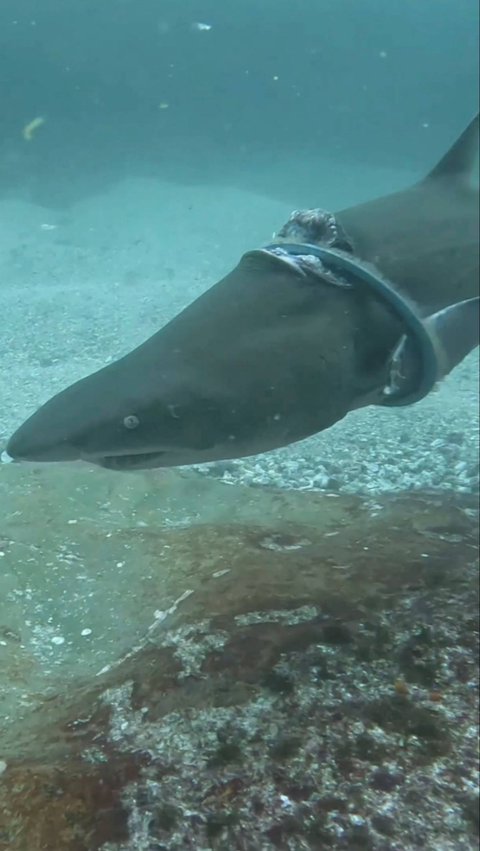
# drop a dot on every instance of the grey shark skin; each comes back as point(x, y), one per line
point(269, 355)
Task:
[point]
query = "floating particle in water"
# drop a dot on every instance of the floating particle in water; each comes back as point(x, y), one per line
point(163, 27)
point(58, 639)
point(86, 631)
point(31, 128)
point(198, 26)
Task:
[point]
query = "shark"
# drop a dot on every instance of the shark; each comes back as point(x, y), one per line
point(370, 305)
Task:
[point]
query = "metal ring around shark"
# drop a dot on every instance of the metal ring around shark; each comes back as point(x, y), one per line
point(415, 328)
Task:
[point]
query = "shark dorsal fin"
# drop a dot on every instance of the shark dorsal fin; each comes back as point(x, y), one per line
point(458, 163)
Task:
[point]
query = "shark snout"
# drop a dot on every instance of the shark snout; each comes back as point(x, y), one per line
point(30, 443)
point(113, 421)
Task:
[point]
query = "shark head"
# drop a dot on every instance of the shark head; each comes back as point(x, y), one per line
point(267, 356)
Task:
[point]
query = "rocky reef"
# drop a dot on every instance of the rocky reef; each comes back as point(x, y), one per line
point(186, 664)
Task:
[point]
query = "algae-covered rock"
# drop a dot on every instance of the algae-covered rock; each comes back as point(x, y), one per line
point(191, 665)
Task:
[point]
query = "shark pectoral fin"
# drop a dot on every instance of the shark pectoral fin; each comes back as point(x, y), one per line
point(453, 331)
point(456, 331)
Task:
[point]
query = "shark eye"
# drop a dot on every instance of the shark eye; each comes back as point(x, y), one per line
point(131, 421)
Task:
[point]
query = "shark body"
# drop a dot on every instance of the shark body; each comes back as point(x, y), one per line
point(273, 352)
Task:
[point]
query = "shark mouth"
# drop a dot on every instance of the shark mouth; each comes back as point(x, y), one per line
point(141, 461)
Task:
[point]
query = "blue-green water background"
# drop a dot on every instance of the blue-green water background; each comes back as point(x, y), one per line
point(383, 83)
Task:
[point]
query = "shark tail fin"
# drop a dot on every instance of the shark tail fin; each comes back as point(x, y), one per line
point(458, 163)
